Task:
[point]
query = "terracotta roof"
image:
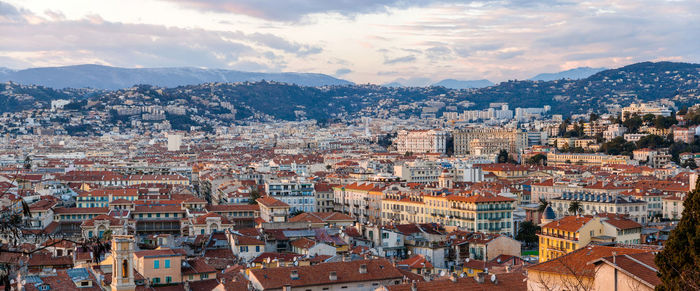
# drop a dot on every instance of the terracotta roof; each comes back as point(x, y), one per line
point(321, 217)
point(506, 282)
point(271, 202)
point(284, 257)
point(346, 272)
point(579, 260)
point(246, 240)
point(196, 266)
point(639, 265)
point(570, 223)
point(202, 219)
point(416, 262)
point(232, 207)
point(303, 243)
point(160, 253)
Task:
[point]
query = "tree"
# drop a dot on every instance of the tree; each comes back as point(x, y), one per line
point(593, 117)
point(28, 163)
point(633, 123)
point(575, 207)
point(527, 233)
point(690, 164)
point(538, 159)
point(679, 262)
point(543, 203)
point(502, 156)
point(254, 195)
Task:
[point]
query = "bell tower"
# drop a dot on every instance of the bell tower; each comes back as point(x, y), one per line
point(123, 265)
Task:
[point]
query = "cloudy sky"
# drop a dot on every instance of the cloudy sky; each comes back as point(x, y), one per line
point(373, 41)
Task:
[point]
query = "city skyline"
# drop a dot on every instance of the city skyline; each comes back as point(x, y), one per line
point(361, 42)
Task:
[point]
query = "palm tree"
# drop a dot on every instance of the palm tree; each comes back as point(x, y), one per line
point(575, 207)
point(543, 205)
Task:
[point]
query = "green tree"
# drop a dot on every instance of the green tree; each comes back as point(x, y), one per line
point(527, 233)
point(633, 123)
point(254, 195)
point(679, 262)
point(538, 159)
point(502, 156)
point(295, 212)
point(543, 203)
point(575, 208)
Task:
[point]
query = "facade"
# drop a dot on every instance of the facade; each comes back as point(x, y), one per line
point(644, 109)
point(593, 204)
point(489, 140)
point(421, 141)
point(481, 213)
point(361, 201)
point(558, 159)
point(161, 266)
point(273, 210)
point(298, 193)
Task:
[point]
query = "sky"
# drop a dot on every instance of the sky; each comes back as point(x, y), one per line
point(364, 41)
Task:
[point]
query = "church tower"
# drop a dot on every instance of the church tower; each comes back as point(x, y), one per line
point(123, 265)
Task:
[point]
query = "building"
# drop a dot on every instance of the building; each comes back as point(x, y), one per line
point(361, 201)
point(489, 140)
point(273, 210)
point(480, 212)
point(161, 266)
point(560, 237)
point(421, 141)
point(684, 134)
point(627, 272)
point(354, 275)
point(578, 270)
point(174, 142)
point(593, 203)
point(297, 193)
point(644, 109)
point(558, 159)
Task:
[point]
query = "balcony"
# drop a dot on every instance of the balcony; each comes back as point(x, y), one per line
point(560, 236)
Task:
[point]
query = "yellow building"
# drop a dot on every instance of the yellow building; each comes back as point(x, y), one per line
point(567, 234)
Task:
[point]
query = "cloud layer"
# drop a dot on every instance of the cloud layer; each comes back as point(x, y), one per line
point(361, 40)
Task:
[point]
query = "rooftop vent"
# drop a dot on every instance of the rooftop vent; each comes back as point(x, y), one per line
point(333, 276)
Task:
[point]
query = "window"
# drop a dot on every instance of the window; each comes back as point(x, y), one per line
point(191, 277)
point(244, 249)
point(167, 264)
point(156, 264)
point(168, 279)
point(204, 276)
point(156, 281)
point(257, 249)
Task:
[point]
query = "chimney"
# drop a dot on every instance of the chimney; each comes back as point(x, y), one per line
point(287, 288)
point(479, 277)
point(294, 275)
point(414, 286)
point(333, 276)
point(613, 255)
point(453, 278)
point(363, 269)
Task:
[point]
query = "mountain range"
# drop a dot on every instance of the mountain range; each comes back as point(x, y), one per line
point(573, 74)
point(112, 78)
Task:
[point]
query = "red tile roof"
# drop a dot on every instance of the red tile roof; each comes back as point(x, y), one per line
point(346, 272)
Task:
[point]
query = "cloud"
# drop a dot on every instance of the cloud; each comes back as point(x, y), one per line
point(342, 71)
point(406, 59)
point(57, 41)
point(439, 53)
point(293, 11)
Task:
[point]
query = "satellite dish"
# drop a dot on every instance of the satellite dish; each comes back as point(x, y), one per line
point(409, 253)
point(442, 273)
point(493, 277)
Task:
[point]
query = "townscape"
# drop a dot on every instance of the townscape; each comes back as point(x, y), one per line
point(390, 204)
point(316, 145)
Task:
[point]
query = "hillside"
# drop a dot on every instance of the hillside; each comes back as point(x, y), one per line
point(574, 74)
point(678, 82)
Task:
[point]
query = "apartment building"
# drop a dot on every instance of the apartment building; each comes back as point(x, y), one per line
point(479, 212)
point(103, 197)
point(421, 141)
point(418, 171)
point(558, 159)
point(361, 201)
point(489, 140)
point(593, 203)
point(298, 193)
point(573, 232)
point(644, 109)
point(161, 266)
point(273, 210)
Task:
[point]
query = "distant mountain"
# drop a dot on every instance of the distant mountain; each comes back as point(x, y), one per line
point(573, 74)
point(410, 82)
point(105, 77)
point(464, 84)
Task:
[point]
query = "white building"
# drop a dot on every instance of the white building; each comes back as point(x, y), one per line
point(298, 193)
point(421, 141)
